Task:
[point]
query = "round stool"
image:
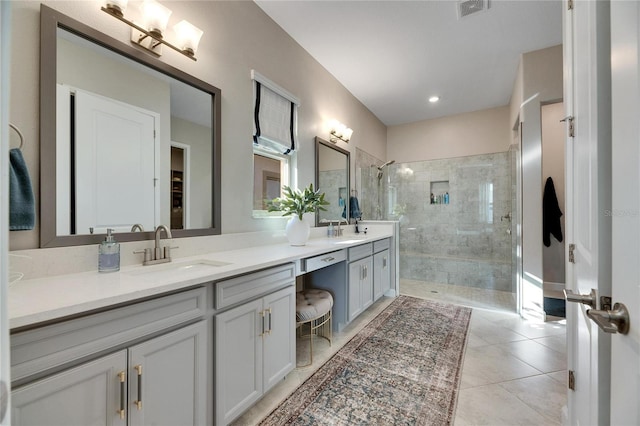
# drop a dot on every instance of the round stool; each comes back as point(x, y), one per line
point(313, 310)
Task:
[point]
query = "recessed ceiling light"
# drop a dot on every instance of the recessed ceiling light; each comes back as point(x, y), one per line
point(434, 99)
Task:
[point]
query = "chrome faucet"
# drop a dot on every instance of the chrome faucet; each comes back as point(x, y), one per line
point(137, 227)
point(339, 230)
point(158, 254)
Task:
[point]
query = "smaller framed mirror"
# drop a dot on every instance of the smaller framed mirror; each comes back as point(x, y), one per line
point(332, 178)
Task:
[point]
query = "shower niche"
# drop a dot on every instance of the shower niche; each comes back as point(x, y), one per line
point(440, 192)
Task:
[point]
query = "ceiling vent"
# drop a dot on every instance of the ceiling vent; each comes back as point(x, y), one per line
point(470, 7)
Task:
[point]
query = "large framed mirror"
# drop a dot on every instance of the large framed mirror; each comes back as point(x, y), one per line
point(332, 178)
point(126, 140)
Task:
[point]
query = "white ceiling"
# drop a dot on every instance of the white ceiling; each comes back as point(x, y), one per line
point(393, 55)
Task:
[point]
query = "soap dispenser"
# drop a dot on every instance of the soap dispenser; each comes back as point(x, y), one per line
point(109, 254)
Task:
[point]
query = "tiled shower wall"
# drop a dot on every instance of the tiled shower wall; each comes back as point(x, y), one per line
point(332, 182)
point(367, 186)
point(465, 242)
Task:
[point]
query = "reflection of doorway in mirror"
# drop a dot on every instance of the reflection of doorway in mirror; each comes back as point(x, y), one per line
point(270, 185)
point(180, 184)
point(111, 172)
point(267, 183)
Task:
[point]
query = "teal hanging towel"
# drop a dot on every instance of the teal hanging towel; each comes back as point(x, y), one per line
point(22, 206)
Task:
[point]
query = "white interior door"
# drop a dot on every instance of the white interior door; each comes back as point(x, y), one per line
point(587, 76)
point(116, 165)
point(5, 51)
point(625, 212)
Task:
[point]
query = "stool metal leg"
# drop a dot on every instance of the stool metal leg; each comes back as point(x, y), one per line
point(317, 327)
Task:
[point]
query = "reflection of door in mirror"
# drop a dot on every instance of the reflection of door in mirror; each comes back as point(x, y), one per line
point(179, 185)
point(99, 195)
point(268, 170)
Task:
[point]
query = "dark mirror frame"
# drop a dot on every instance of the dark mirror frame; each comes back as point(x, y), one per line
point(321, 142)
point(50, 21)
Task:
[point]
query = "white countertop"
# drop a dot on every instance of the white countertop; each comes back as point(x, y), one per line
point(46, 299)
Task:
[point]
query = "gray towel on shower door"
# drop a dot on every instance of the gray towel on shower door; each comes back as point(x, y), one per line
point(22, 206)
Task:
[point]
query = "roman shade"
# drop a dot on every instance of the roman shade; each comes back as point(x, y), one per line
point(275, 116)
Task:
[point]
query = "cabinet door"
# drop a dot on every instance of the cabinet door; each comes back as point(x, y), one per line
point(89, 394)
point(381, 274)
point(238, 350)
point(279, 341)
point(356, 273)
point(167, 378)
point(366, 285)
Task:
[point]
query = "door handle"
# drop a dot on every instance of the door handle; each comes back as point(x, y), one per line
point(587, 299)
point(122, 378)
point(138, 402)
point(614, 320)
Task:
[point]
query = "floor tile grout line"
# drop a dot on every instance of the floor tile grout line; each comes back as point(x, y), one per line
point(543, 413)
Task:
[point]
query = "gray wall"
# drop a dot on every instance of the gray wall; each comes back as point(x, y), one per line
point(238, 37)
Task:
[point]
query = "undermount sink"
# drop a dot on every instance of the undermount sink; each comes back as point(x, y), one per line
point(200, 265)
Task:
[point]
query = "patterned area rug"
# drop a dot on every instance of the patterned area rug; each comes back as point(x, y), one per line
point(403, 368)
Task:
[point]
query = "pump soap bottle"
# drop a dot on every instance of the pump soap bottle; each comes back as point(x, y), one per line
point(109, 254)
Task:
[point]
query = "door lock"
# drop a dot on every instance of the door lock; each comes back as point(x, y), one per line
point(587, 299)
point(614, 320)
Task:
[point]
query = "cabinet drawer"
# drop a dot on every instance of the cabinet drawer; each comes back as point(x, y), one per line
point(318, 262)
point(381, 245)
point(243, 288)
point(40, 349)
point(360, 251)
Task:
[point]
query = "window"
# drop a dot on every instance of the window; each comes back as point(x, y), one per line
point(274, 142)
point(270, 173)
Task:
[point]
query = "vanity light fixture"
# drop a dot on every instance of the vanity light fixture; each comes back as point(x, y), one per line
point(434, 99)
point(150, 33)
point(339, 132)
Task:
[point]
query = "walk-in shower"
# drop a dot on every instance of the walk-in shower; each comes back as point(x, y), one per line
point(381, 189)
point(463, 246)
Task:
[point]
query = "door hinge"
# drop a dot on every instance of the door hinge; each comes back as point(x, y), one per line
point(569, 119)
point(570, 4)
point(572, 380)
point(572, 256)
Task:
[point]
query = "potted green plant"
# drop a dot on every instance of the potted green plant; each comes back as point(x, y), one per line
point(296, 203)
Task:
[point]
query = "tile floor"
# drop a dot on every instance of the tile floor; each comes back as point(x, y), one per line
point(514, 370)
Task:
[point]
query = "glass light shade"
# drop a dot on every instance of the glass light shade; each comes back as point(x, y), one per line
point(116, 6)
point(346, 135)
point(154, 16)
point(333, 126)
point(187, 36)
point(338, 128)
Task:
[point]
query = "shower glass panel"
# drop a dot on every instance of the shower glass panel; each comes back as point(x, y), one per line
point(463, 241)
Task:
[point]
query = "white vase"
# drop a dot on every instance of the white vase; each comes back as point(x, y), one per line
point(297, 231)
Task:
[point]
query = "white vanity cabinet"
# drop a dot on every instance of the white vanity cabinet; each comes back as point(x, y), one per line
point(146, 379)
point(254, 340)
point(360, 282)
point(85, 395)
point(159, 382)
point(381, 268)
